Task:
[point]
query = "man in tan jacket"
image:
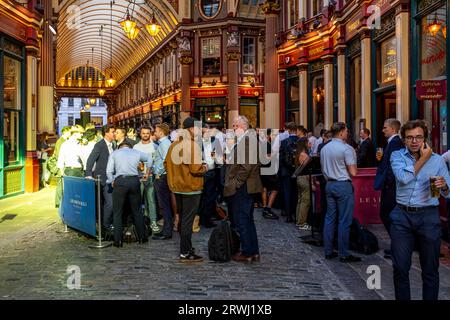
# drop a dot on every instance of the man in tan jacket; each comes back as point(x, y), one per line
point(242, 182)
point(185, 172)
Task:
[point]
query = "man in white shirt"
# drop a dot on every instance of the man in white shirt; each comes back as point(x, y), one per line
point(147, 190)
point(70, 155)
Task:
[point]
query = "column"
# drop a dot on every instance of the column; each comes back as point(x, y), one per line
point(328, 83)
point(303, 94)
point(45, 110)
point(403, 54)
point(233, 89)
point(366, 77)
point(31, 160)
point(186, 62)
point(271, 81)
point(341, 84)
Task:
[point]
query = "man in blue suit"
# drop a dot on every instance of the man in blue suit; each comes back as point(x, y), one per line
point(385, 180)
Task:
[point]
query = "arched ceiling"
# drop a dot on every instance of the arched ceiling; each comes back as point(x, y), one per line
point(74, 46)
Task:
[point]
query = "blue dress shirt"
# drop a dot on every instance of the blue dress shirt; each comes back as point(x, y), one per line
point(414, 190)
point(160, 156)
point(124, 161)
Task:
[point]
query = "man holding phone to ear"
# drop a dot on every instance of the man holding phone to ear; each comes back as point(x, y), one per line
point(416, 216)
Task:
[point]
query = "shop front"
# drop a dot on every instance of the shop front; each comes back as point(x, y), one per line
point(171, 115)
point(316, 97)
point(12, 109)
point(249, 105)
point(293, 95)
point(431, 55)
point(210, 106)
point(385, 64)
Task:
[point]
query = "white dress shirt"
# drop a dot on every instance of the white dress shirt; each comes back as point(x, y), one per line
point(70, 155)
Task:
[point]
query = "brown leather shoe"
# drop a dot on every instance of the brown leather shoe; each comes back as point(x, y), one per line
point(256, 258)
point(241, 258)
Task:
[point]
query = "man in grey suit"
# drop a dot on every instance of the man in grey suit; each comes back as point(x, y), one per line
point(242, 182)
point(96, 165)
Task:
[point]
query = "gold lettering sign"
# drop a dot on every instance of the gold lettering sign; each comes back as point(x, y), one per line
point(316, 51)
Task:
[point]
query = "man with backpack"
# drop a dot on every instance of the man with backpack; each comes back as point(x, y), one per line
point(242, 182)
point(288, 151)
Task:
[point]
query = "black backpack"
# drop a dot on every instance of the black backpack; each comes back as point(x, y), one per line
point(362, 240)
point(290, 153)
point(223, 243)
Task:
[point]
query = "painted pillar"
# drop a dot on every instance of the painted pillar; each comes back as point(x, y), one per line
point(303, 94)
point(233, 57)
point(271, 81)
point(403, 54)
point(366, 77)
point(341, 85)
point(186, 61)
point(329, 91)
point(31, 160)
point(46, 89)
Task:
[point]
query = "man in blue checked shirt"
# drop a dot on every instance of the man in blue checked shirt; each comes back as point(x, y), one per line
point(416, 216)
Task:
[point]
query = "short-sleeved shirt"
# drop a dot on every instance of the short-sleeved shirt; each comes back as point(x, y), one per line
point(335, 156)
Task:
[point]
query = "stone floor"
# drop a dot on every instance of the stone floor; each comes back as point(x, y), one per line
point(35, 257)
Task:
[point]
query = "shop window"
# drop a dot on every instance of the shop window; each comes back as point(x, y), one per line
point(10, 137)
point(433, 46)
point(70, 121)
point(249, 56)
point(293, 12)
point(316, 7)
point(389, 60)
point(211, 56)
point(318, 102)
point(70, 102)
point(11, 87)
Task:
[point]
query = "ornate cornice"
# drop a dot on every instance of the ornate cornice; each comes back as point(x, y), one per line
point(233, 56)
point(270, 8)
point(186, 60)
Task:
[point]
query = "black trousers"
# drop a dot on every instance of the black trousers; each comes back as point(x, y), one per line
point(289, 187)
point(107, 204)
point(187, 206)
point(387, 204)
point(209, 196)
point(127, 188)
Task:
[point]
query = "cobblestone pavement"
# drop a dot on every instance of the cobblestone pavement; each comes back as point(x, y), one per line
point(35, 257)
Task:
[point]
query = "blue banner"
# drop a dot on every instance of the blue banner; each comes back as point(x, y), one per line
point(78, 204)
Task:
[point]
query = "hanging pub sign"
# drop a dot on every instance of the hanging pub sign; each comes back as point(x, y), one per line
point(431, 89)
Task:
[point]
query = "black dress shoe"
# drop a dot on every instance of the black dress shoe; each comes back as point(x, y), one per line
point(331, 256)
point(142, 241)
point(161, 237)
point(118, 244)
point(350, 258)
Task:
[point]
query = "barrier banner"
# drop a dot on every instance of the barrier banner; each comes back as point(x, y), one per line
point(78, 204)
point(367, 199)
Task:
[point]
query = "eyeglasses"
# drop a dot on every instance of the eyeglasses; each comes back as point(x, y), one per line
point(417, 138)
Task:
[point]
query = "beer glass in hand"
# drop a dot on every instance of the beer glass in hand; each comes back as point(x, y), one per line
point(435, 191)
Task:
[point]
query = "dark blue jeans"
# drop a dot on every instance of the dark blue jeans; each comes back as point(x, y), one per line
point(340, 203)
point(242, 210)
point(164, 201)
point(290, 193)
point(407, 228)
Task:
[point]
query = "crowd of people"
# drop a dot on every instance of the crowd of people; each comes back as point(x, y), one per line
point(166, 181)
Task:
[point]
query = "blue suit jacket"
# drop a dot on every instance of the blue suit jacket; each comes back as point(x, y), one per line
point(385, 177)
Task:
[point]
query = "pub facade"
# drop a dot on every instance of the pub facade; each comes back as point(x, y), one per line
point(361, 62)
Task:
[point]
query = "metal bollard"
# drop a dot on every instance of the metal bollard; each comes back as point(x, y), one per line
point(99, 245)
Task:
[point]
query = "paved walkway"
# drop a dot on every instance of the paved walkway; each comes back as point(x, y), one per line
point(35, 257)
